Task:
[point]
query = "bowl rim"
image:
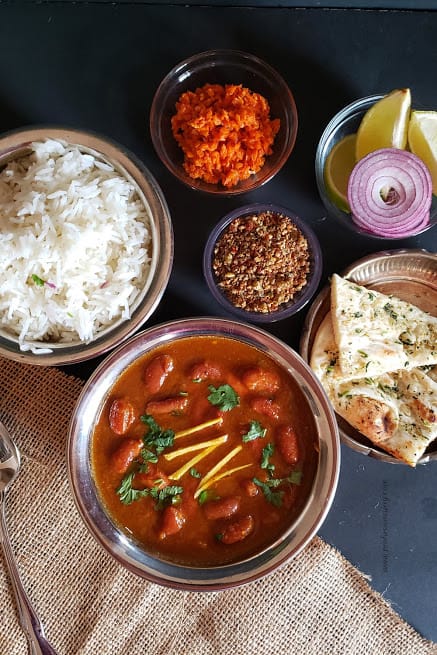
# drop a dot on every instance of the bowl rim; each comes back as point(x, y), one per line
point(181, 69)
point(324, 146)
point(18, 143)
point(136, 559)
point(303, 297)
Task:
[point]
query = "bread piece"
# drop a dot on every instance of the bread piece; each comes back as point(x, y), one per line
point(376, 333)
point(397, 411)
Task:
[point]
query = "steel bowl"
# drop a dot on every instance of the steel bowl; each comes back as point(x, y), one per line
point(120, 544)
point(17, 144)
point(409, 274)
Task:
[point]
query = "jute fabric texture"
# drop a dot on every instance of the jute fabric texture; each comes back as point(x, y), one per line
point(317, 604)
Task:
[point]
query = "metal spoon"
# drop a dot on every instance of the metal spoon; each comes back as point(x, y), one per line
point(33, 629)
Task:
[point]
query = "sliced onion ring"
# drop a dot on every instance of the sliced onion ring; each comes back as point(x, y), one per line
point(390, 193)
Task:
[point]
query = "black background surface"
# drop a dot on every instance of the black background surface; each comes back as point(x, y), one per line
point(97, 65)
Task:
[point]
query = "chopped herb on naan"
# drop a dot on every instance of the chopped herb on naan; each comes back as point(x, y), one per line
point(397, 411)
point(376, 333)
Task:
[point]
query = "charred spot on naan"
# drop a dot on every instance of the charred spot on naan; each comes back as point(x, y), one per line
point(425, 413)
point(373, 418)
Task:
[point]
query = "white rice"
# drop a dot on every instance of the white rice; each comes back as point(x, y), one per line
point(74, 243)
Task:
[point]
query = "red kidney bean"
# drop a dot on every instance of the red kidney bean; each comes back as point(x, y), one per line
point(249, 487)
point(167, 405)
point(173, 520)
point(157, 371)
point(237, 385)
point(287, 444)
point(222, 508)
point(125, 454)
point(237, 530)
point(265, 406)
point(261, 380)
point(121, 415)
point(205, 370)
point(153, 477)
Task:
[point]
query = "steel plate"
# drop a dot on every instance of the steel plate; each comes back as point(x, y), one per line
point(408, 274)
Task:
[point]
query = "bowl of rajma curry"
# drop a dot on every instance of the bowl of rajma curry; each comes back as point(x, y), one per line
point(203, 454)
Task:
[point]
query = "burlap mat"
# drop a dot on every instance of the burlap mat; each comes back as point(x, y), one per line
point(318, 604)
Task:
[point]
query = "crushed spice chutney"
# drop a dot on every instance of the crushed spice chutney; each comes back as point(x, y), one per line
point(261, 261)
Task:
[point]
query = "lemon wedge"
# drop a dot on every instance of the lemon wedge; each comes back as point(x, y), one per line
point(422, 140)
point(338, 167)
point(385, 124)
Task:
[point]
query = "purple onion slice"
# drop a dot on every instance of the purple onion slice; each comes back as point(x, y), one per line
point(390, 193)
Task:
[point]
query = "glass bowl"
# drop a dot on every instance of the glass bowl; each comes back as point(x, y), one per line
point(347, 122)
point(17, 144)
point(223, 67)
point(299, 300)
point(118, 542)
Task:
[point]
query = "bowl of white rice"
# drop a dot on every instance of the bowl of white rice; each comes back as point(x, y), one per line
point(86, 245)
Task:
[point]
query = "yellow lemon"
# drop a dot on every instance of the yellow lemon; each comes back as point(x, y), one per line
point(385, 124)
point(338, 167)
point(422, 140)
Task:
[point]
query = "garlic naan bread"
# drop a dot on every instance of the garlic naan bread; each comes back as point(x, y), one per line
point(376, 333)
point(397, 411)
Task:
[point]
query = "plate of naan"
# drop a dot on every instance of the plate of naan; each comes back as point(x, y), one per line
point(371, 339)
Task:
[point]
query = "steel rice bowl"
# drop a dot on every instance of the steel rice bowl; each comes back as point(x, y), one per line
point(17, 144)
point(121, 545)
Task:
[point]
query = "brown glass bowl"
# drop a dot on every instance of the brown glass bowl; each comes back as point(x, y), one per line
point(299, 300)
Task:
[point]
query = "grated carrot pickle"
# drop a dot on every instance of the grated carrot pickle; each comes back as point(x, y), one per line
point(225, 132)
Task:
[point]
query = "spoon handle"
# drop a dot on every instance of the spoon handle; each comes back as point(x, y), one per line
point(32, 626)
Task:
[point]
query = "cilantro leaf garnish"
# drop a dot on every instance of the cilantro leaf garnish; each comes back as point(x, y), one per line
point(149, 456)
point(267, 452)
point(203, 497)
point(165, 496)
point(295, 477)
point(224, 397)
point(273, 497)
point(126, 493)
point(195, 473)
point(38, 281)
point(256, 431)
point(157, 437)
point(207, 494)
